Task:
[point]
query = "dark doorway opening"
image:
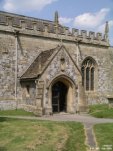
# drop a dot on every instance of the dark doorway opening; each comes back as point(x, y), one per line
point(59, 97)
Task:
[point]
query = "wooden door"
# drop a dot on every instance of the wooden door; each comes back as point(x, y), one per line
point(55, 100)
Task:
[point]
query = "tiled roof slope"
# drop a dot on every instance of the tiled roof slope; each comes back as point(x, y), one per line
point(38, 65)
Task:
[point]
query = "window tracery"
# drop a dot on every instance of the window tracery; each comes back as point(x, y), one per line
point(88, 74)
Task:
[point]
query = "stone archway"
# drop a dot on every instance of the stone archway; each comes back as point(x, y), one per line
point(65, 94)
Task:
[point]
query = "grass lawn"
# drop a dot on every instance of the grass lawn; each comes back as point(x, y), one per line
point(18, 112)
point(101, 111)
point(28, 135)
point(104, 136)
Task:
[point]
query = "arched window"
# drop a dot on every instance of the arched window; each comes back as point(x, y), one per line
point(88, 74)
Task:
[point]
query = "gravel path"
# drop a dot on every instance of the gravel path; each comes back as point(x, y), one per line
point(85, 119)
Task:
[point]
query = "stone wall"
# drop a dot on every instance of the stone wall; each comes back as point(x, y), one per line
point(104, 83)
point(7, 67)
point(8, 105)
point(45, 28)
point(32, 41)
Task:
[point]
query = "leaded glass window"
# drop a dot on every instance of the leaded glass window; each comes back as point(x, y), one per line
point(88, 74)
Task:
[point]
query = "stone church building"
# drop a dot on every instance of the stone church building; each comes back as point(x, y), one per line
point(47, 68)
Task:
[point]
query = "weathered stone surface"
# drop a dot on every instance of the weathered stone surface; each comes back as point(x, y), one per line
point(7, 105)
point(32, 40)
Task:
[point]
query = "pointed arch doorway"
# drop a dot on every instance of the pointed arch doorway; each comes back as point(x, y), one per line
point(62, 95)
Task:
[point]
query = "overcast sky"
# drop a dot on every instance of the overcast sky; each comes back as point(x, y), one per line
point(81, 14)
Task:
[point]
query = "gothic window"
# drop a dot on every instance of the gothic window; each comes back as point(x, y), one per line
point(88, 74)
